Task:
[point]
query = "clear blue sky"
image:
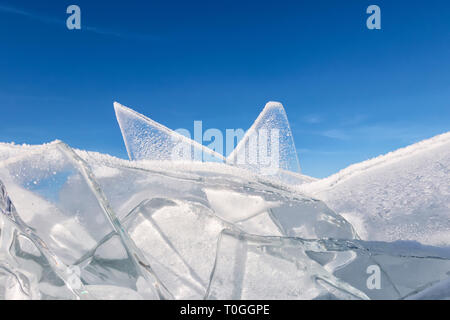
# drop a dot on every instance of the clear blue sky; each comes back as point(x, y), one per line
point(350, 93)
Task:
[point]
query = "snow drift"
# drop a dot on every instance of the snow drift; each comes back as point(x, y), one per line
point(404, 195)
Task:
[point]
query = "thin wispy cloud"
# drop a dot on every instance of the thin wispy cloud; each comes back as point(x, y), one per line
point(312, 119)
point(302, 151)
point(62, 22)
point(354, 120)
point(335, 134)
point(41, 18)
point(402, 133)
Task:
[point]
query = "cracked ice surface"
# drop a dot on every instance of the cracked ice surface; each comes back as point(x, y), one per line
point(152, 230)
point(55, 199)
point(181, 209)
point(251, 267)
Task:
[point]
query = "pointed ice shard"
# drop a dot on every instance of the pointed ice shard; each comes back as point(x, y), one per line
point(268, 146)
point(146, 139)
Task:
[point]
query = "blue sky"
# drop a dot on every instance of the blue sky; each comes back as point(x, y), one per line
point(350, 93)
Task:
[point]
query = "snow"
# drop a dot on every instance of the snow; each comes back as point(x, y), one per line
point(404, 195)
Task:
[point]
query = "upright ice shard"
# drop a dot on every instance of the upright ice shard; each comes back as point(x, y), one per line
point(59, 202)
point(146, 139)
point(268, 146)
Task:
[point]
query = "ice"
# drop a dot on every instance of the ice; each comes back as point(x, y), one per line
point(182, 209)
point(272, 131)
point(255, 267)
point(311, 219)
point(404, 195)
point(183, 237)
point(438, 291)
point(249, 201)
point(28, 270)
point(57, 199)
point(267, 147)
point(107, 292)
point(83, 225)
point(405, 266)
point(146, 139)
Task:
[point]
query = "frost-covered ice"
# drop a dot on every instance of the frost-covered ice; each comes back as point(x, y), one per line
point(146, 139)
point(266, 148)
point(273, 119)
point(83, 225)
